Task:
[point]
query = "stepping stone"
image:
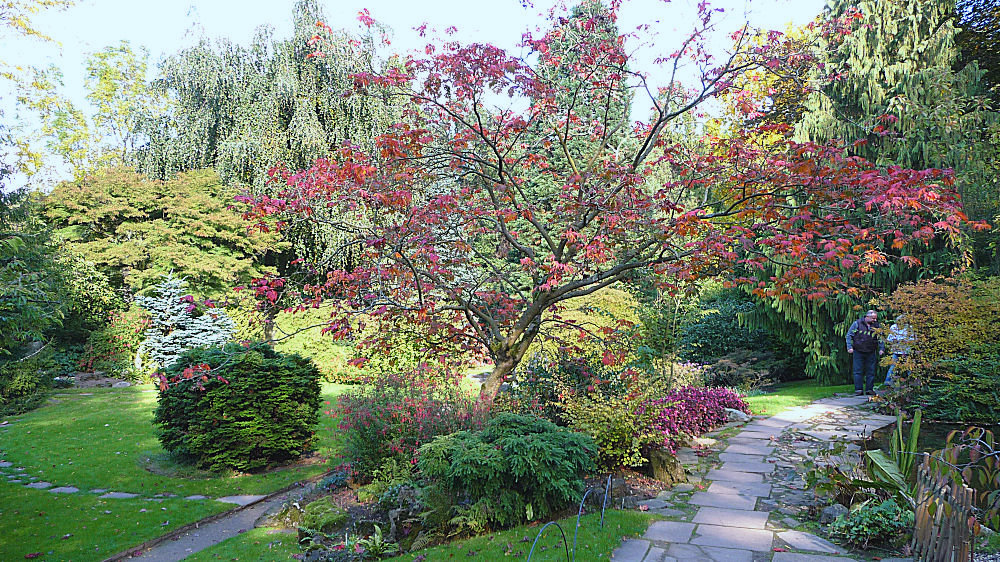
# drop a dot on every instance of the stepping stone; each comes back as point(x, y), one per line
point(733, 537)
point(730, 475)
point(65, 490)
point(240, 500)
point(708, 553)
point(775, 422)
point(118, 495)
point(6, 464)
point(759, 433)
point(749, 449)
point(807, 541)
point(760, 490)
point(728, 501)
point(197, 497)
point(762, 467)
point(655, 554)
point(654, 504)
point(38, 485)
point(632, 550)
point(791, 523)
point(683, 487)
point(98, 490)
point(15, 481)
point(669, 531)
point(740, 457)
point(731, 517)
point(795, 557)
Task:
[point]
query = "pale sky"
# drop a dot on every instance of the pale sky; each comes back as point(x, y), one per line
point(165, 26)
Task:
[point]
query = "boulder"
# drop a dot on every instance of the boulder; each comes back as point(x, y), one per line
point(830, 513)
point(734, 415)
point(665, 467)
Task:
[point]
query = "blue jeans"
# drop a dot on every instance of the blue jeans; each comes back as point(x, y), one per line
point(864, 370)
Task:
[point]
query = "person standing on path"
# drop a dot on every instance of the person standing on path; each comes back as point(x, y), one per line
point(899, 341)
point(865, 347)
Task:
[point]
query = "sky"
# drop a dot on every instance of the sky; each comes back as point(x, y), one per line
point(165, 26)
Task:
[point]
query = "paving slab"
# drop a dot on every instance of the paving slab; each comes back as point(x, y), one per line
point(808, 541)
point(729, 475)
point(119, 495)
point(197, 497)
point(761, 467)
point(749, 449)
point(655, 503)
point(796, 557)
point(655, 554)
point(240, 500)
point(758, 489)
point(772, 422)
point(669, 531)
point(731, 517)
point(39, 485)
point(65, 490)
point(733, 537)
point(740, 457)
point(632, 550)
point(728, 501)
point(690, 552)
point(6, 464)
point(759, 434)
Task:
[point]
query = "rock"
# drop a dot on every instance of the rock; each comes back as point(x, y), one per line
point(832, 512)
point(121, 384)
point(666, 468)
point(737, 416)
point(630, 502)
point(683, 487)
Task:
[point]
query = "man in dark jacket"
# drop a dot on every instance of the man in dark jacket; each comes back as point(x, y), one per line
point(866, 347)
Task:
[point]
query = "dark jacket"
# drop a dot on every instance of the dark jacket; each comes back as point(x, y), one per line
point(862, 338)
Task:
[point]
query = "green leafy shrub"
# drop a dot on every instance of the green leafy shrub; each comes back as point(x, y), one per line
point(883, 523)
point(717, 329)
point(22, 386)
point(239, 408)
point(517, 469)
point(393, 472)
point(620, 432)
point(115, 348)
point(742, 369)
point(953, 370)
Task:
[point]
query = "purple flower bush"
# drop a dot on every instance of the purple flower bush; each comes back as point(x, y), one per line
point(690, 411)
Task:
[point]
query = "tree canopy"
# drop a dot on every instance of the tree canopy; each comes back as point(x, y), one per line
point(451, 238)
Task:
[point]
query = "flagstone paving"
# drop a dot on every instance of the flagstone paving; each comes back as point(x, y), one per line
point(758, 474)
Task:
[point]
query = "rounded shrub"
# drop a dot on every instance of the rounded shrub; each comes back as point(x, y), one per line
point(238, 408)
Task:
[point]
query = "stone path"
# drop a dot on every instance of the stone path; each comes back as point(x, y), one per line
point(743, 501)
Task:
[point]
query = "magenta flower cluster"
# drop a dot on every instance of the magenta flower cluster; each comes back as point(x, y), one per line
point(690, 411)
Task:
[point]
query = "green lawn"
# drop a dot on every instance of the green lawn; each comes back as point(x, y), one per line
point(594, 543)
point(82, 526)
point(790, 395)
point(104, 439)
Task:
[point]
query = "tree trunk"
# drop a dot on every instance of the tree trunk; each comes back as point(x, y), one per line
point(270, 317)
point(501, 369)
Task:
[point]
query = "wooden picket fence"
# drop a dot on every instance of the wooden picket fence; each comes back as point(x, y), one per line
point(942, 531)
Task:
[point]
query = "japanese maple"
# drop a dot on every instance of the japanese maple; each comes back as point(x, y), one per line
point(515, 184)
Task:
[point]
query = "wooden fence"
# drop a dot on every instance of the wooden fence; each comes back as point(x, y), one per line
point(942, 530)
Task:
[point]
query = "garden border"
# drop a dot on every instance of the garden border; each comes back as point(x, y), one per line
point(139, 549)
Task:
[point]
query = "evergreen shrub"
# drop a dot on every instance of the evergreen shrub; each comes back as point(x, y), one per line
point(239, 408)
point(177, 324)
point(874, 523)
point(517, 469)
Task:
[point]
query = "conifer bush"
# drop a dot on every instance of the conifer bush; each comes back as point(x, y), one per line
point(517, 469)
point(238, 408)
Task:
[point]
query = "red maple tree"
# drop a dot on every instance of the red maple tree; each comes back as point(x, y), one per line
point(509, 188)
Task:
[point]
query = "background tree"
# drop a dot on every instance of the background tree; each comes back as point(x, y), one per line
point(135, 230)
point(451, 240)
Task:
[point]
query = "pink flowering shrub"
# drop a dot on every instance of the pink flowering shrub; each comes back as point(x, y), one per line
point(690, 411)
point(397, 413)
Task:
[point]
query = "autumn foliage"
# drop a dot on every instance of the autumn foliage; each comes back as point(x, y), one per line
point(513, 185)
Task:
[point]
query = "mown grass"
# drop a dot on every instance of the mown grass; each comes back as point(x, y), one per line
point(593, 543)
point(792, 394)
point(104, 439)
point(81, 526)
point(256, 544)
